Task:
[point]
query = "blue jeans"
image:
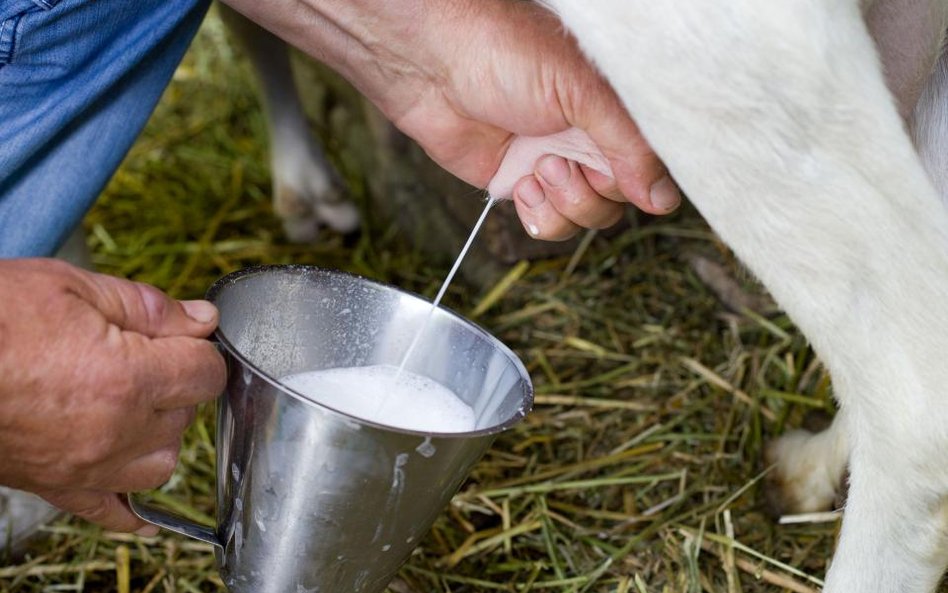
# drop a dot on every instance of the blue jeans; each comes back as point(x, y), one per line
point(78, 80)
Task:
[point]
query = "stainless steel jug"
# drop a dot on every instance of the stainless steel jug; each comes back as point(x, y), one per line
point(308, 498)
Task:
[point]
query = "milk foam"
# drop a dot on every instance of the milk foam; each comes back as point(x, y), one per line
point(385, 395)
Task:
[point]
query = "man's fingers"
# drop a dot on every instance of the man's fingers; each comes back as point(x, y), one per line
point(103, 508)
point(647, 185)
point(144, 473)
point(136, 463)
point(538, 214)
point(180, 372)
point(568, 190)
point(144, 309)
point(150, 460)
point(603, 185)
point(639, 174)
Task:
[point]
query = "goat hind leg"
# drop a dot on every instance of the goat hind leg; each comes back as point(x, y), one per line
point(775, 120)
point(808, 469)
point(307, 191)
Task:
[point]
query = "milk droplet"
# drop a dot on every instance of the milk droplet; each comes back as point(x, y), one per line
point(426, 449)
point(386, 547)
point(238, 539)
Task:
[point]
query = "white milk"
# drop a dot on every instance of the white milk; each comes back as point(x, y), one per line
point(444, 285)
point(385, 395)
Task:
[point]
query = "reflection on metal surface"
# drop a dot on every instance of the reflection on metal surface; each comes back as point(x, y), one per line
point(310, 499)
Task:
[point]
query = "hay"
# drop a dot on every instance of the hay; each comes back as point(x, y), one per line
point(638, 471)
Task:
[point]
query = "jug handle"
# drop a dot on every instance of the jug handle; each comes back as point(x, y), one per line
point(173, 522)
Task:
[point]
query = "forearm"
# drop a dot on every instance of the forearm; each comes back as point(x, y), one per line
point(383, 47)
point(465, 78)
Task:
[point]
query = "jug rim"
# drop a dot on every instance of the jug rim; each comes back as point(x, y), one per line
point(524, 380)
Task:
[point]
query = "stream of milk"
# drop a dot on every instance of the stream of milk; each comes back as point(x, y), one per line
point(444, 285)
point(391, 395)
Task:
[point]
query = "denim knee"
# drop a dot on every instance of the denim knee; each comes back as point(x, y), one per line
point(78, 80)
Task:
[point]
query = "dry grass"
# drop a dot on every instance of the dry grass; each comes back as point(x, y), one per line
point(638, 471)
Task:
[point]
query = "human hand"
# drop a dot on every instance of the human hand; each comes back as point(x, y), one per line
point(100, 379)
point(465, 78)
point(516, 74)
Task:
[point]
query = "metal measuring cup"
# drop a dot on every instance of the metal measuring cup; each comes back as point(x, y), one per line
point(313, 500)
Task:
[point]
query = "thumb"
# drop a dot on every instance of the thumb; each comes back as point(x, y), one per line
point(144, 309)
point(637, 171)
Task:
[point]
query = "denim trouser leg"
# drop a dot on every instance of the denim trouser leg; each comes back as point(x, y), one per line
point(78, 80)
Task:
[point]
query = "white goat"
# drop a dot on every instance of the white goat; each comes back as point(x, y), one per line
point(775, 119)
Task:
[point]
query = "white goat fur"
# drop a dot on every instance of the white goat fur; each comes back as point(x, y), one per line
point(776, 121)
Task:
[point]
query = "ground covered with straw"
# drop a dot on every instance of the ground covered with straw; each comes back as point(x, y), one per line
point(640, 468)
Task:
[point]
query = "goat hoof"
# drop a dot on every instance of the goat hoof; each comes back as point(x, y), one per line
point(303, 214)
point(800, 481)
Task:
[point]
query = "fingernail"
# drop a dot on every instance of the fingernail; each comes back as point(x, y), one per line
point(664, 194)
point(530, 193)
point(554, 170)
point(148, 531)
point(532, 229)
point(200, 311)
